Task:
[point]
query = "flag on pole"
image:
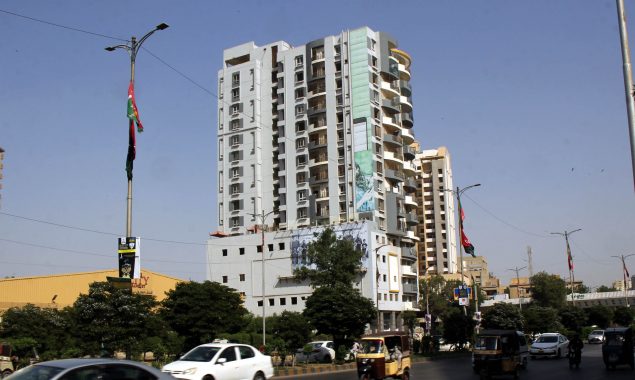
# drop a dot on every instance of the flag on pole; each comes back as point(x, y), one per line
point(131, 149)
point(627, 275)
point(133, 112)
point(569, 257)
point(465, 242)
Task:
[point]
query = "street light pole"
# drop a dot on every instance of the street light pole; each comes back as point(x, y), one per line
point(132, 48)
point(520, 300)
point(628, 78)
point(566, 235)
point(624, 271)
point(263, 217)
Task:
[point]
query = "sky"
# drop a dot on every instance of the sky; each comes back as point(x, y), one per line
point(528, 97)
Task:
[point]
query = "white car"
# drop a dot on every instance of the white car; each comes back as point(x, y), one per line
point(323, 352)
point(549, 345)
point(226, 361)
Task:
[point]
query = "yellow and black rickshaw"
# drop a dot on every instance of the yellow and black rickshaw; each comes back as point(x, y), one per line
point(384, 356)
point(499, 352)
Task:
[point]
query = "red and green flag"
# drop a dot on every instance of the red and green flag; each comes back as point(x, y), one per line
point(465, 242)
point(569, 257)
point(133, 117)
point(626, 274)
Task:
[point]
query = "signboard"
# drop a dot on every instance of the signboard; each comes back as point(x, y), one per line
point(129, 253)
point(462, 293)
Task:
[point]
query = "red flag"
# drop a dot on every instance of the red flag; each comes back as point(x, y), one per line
point(465, 242)
point(569, 257)
point(625, 270)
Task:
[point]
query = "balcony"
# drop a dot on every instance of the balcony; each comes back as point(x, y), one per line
point(393, 105)
point(391, 156)
point(407, 136)
point(321, 143)
point(410, 288)
point(412, 235)
point(409, 169)
point(317, 108)
point(409, 153)
point(320, 90)
point(391, 124)
point(406, 103)
point(412, 219)
point(409, 253)
point(314, 180)
point(405, 87)
point(319, 125)
point(407, 270)
point(407, 120)
point(320, 160)
point(392, 139)
point(404, 73)
point(410, 184)
point(394, 175)
point(389, 90)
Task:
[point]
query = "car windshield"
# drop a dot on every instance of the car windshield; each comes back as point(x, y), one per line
point(372, 346)
point(486, 343)
point(201, 354)
point(597, 332)
point(547, 339)
point(36, 372)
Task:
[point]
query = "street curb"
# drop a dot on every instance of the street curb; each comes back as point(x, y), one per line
point(295, 371)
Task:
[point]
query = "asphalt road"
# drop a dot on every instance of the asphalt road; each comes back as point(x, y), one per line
point(592, 368)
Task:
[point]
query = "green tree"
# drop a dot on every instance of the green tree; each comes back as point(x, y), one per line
point(573, 318)
point(599, 315)
point(112, 319)
point(339, 311)
point(31, 327)
point(335, 307)
point(581, 288)
point(439, 293)
point(502, 316)
point(200, 312)
point(458, 328)
point(540, 319)
point(291, 328)
point(410, 321)
point(623, 316)
point(604, 288)
point(548, 290)
point(335, 261)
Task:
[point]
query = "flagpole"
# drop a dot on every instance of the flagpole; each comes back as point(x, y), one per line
point(566, 235)
point(132, 49)
point(624, 274)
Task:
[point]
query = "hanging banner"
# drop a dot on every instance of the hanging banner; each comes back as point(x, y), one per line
point(129, 257)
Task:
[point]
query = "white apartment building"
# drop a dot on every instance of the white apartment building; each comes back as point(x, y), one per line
point(438, 246)
point(316, 135)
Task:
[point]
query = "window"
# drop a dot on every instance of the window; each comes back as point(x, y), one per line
point(235, 139)
point(224, 279)
point(272, 302)
point(299, 93)
point(235, 79)
point(235, 222)
point(299, 61)
point(281, 246)
point(302, 212)
point(235, 188)
point(300, 160)
point(259, 249)
point(300, 143)
point(299, 77)
point(301, 195)
point(241, 250)
point(235, 109)
point(246, 352)
point(235, 94)
point(242, 277)
point(229, 354)
point(236, 172)
point(270, 246)
point(283, 301)
point(260, 303)
point(235, 155)
point(235, 124)
point(300, 109)
point(294, 300)
point(224, 252)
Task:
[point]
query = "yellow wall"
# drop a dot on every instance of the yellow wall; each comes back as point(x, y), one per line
point(41, 290)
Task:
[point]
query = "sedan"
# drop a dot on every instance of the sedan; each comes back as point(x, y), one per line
point(322, 352)
point(71, 369)
point(225, 361)
point(596, 336)
point(549, 345)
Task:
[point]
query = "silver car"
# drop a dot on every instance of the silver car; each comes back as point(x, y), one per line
point(549, 345)
point(67, 369)
point(596, 336)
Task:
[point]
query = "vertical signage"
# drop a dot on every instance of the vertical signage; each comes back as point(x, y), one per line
point(129, 253)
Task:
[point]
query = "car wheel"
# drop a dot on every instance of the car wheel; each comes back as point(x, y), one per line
point(208, 377)
point(405, 375)
point(259, 376)
point(326, 359)
point(5, 373)
point(364, 376)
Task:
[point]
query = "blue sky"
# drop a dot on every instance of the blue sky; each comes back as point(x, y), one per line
point(527, 96)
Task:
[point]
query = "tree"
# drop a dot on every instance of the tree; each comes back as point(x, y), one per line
point(339, 311)
point(573, 318)
point(458, 328)
point(604, 288)
point(410, 321)
point(581, 288)
point(112, 319)
point(291, 328)
point(200, 312)
point(332, 261)
point(623, 316)
point(440, 294)
point(599, 315)
point(335, 307)
point(548, 290)
point(29, 328)
point(541, 319)
point(502, 316)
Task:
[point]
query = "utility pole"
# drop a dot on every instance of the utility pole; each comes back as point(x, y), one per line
point(566, 235)
point(263, 217)
point(529, 263)
point(520, 299)
point(628, 79)
point(625, 274)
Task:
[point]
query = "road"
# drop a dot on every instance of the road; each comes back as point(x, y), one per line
point(592, 368)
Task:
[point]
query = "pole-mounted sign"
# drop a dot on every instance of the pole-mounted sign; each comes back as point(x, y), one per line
point(129, 257)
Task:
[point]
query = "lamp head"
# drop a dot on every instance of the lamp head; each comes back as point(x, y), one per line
point(110, 48)
point(162, 26)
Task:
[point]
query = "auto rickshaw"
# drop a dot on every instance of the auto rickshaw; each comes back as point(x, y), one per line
point(384, 356)
point(618, 347)
point(499, 352)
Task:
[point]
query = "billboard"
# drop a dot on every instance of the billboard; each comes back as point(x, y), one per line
point(364, 191)
point(129, 253)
